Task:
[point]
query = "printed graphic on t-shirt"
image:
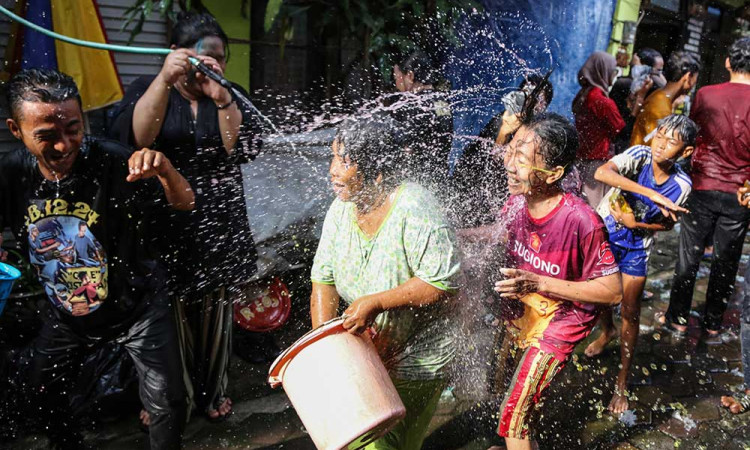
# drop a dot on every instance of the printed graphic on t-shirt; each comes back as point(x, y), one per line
point(606, 257)
point(70, 262)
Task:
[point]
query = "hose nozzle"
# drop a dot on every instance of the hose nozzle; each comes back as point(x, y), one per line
point(205, 70)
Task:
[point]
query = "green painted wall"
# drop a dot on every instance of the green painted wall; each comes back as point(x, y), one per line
point(626, 10)
point(229, 14)
point(734, 3)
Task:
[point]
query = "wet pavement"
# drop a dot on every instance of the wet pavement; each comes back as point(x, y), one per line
point(676, 385)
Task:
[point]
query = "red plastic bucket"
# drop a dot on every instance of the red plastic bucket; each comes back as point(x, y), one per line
point(263, 308)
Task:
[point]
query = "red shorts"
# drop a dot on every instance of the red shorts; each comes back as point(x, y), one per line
point(533, 374)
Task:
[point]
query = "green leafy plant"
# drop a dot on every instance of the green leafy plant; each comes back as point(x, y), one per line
point(386, 29)
point(142, 9)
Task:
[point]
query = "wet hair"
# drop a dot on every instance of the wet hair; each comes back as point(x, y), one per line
point(422, 66)
point(686, 129)
point(373, 144)
point(680, 63)
point(648, 56)
point(40, 85)
point(535, 80)
point(739, 55)
point(192, 27)
point(558, 139)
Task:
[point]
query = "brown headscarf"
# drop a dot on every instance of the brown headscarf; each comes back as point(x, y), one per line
point(598, 71)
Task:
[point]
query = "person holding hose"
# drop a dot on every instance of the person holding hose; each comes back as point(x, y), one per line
point(210, 252)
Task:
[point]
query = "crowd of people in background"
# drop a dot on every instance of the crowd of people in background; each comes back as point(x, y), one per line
point(571, 207)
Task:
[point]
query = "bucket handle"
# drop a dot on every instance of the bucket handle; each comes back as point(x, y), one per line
point(276, 373)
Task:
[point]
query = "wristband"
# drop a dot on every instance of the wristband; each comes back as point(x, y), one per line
point(225, 106)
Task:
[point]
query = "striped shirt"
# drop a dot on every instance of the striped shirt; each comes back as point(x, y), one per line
point(635, 164)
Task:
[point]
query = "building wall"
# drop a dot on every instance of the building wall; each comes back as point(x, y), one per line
point(234, 17)
point(129, 66)
point(625, 11)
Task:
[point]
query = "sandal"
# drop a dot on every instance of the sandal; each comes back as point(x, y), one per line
point(220, 418)
point(718, 337)
point(661, 319)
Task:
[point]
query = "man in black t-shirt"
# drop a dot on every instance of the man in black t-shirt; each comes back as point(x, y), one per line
point(62, 185)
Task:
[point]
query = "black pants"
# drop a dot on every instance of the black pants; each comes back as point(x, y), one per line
point(151, 341)
point(714, 217)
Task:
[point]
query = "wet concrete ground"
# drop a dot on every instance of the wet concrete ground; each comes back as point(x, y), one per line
point(676, 386)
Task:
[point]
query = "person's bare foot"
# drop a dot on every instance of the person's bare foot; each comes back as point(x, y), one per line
point(600, 343)
point(145, 418)
point(619, 404)
point(732, 404)
point(224, 409)
point(661, 319)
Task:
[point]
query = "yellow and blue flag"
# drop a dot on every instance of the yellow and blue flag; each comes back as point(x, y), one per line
point(93, 70)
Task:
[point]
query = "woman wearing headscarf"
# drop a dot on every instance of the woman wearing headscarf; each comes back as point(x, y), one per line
point(597, 120)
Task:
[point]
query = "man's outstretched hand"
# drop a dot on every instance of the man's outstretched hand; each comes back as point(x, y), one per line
point(147, 163)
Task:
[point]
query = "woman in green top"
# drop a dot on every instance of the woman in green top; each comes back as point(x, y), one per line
point(387, 251)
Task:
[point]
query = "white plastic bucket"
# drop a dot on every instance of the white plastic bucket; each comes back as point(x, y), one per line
point(339, 387)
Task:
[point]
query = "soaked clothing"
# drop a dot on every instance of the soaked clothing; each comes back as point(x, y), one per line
point(47, 215)
point(721, 161)
point(210, 246)
point(635, 164)
point(535, 370)
point(716, 217)
point(569, 244)
point(59, 352)
point(205, 338)
point(119, 295)
point(720, 165)
point(414, 240)
point(656, 107)
point(633, 262)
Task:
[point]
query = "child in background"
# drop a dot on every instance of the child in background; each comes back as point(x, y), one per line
point(563, 268)
point(647, 190)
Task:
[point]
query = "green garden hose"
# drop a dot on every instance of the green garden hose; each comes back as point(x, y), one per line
point(82, 43)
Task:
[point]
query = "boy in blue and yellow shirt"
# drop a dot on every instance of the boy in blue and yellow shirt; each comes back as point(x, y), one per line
point(648, 189)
